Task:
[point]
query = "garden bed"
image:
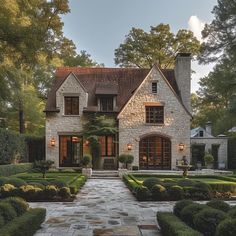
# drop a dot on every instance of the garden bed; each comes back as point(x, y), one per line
point(16, 218)
point(171, 187)
point(57, 186)
point(216, 218)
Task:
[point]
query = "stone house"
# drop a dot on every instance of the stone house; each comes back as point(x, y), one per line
point(202, 141)
point(151, 106)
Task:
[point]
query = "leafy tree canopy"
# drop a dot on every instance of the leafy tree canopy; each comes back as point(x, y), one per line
point(143, 49)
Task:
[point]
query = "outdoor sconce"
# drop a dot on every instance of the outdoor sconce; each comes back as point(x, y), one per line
point(86, 142)
point(52, 142)
point(181, 146)
point(129, 146)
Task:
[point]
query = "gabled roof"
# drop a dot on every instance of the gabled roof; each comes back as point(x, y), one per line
point(122, 81)
point(195, 133)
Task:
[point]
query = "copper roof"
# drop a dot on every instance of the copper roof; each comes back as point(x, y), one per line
point(122, 82)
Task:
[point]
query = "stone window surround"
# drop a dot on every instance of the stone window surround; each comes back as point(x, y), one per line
point(154, 104)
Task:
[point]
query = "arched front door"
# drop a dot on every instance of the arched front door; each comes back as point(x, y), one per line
point(155, 153)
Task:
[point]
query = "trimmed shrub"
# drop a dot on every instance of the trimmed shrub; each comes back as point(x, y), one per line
point(185, 182)
point(176, 192)
point(37, 185)
point(50, 191)
point(142, 193)
point(226, 227)
point(17, 182)
point(1, 221)
point(59, 183)
point(159, 192)
point(64, 192)
point(25, 225)
point(13, 169)
point(179, 206)
point(19, 204)
point(150, 182)
point(207, 220)
point(219, 205)
point(189, 212)
point(168, 180)
point(197, 193)
point(30, 192)
point(3, 180)
point(173, 226)
point(86, 160)
point(232, 212)
point(203, 186)
point(7, 211)
point(7, 190)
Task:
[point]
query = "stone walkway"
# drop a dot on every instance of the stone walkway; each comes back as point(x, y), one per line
point(103, 207)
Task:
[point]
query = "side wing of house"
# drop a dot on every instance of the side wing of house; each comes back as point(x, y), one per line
point(154, 123)
point(65, 126)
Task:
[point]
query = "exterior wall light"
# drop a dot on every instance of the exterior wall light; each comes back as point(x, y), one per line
point(181, 146)
point(52, 142)
point(86, 143)
point(129, 146)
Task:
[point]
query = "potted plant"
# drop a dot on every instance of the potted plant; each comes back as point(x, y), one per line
point(129, 160)
point(209, 159)
point(122, 159)
point(86, 161)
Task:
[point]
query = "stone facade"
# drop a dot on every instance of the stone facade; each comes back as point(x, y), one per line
point(176, 127)
point(60, 124)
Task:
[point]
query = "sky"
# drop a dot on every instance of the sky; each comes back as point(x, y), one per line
point(100, 26)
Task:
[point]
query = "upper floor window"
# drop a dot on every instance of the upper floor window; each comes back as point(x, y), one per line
point(71, 105)
point(155, 114)
point(106, 103)
point(154, 87)
point(201, 133)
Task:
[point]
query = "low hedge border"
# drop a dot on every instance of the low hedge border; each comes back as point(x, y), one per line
point(77, 184)
point(25, 225)
point(12, 169)
point(171, 225)
point(131, 183)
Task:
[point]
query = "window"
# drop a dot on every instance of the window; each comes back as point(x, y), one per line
point(107, 145)
point(201, 133)
point(106, 103)
point(71, 105)
point(154, 87)
point(155, 114)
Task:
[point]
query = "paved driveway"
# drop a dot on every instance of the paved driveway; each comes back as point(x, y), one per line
point(104, 207)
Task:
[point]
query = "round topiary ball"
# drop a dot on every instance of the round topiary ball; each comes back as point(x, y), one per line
point(142, 193)
point(219, 205)
point(150, 182)
point(7, 190)
point(176, 192)
point(185, 182)
point(50, 191)
point(226, 227)
point(207, 220)
point(159, 192)
point(188, 212)
point(180, 205)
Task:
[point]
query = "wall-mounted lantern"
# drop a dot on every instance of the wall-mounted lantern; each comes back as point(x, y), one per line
point(52, 142)
point(181, 146)
point(86, 143)
point(129, 146)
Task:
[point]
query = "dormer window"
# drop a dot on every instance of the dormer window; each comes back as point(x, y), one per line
point(201, 133)
point(106, 103)
point(154, 87)
point(71, 105)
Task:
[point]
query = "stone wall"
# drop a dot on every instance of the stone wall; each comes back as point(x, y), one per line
point(60, 124)
point(208, 142)
point(176, 125)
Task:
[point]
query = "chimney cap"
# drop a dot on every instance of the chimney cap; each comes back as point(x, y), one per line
point(183, 54)
point(208, 123)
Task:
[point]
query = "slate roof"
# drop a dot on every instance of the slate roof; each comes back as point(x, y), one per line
point(121, 82)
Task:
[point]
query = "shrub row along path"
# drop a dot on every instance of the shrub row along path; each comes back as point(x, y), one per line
point(103, 207)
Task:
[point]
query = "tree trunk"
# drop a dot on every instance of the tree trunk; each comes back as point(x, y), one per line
point(21, 119)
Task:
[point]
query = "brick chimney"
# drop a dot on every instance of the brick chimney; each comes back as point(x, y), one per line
point(183, 77)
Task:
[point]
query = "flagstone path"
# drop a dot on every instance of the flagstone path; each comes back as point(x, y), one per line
point(103, 207)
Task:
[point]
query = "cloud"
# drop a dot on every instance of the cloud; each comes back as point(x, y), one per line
point(196, 25)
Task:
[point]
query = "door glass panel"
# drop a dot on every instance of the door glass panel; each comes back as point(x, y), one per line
point(154, 153)
point(70, 150)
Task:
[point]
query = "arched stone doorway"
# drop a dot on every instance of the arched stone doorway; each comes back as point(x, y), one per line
point(155, 152)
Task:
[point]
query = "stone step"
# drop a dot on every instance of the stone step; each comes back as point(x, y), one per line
point(105, 174)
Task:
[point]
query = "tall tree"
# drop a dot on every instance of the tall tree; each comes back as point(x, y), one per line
point(220, 34)
point(143, 49)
